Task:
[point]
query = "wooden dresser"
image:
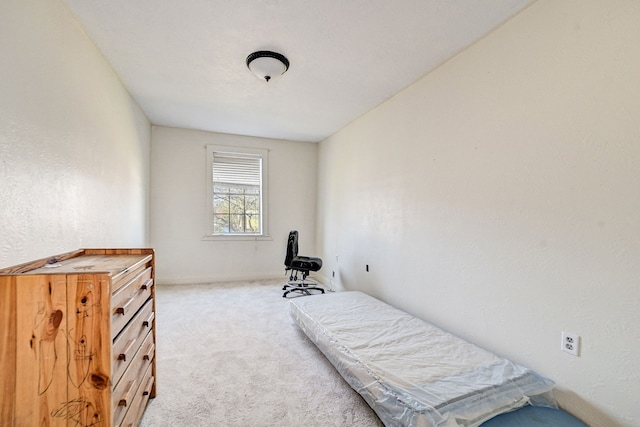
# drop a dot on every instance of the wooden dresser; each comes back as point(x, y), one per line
point(77, 339)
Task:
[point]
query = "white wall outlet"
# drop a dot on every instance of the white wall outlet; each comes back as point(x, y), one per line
point(570, 343)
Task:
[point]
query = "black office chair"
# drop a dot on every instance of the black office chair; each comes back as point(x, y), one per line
point(299, 264)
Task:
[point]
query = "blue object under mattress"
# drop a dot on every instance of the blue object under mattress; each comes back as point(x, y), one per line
point(410, 372)
point(535, 416)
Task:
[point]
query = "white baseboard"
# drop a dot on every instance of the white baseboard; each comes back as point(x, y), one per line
point(189, 280)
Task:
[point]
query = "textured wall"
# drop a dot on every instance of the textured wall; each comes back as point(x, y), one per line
point(74, 147)
point(498, 198)
point(178, 203)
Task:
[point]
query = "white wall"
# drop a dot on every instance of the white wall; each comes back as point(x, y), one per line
point(499, 198)
point(74, 147)
point(178, 203)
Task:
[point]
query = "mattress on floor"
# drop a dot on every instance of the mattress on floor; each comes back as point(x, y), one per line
point(410, 372)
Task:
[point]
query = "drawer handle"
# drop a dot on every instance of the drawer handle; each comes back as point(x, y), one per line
point(125, 398)
point(147, 388)
point(149, 353)
point(125, 306)
point(123, 356)
point(147, 323)
point(146, 285)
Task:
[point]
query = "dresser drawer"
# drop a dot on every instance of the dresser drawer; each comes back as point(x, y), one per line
point(125, 391)
point(125, 276)
point(134, 414)
point(127, 343)
point(126, 301)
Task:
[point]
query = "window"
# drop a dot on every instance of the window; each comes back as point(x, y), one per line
point(237, 192)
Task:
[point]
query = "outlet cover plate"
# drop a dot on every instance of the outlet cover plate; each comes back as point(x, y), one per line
point(570, 343)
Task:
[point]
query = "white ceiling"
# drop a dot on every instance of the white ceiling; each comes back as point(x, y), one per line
point(184, 61)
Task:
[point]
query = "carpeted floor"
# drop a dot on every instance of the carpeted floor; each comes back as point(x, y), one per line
point(230, 355)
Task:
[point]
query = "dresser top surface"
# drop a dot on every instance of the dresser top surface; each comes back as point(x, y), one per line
point(90, 264)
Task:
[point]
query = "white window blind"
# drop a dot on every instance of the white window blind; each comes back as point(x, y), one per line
point(232, 169)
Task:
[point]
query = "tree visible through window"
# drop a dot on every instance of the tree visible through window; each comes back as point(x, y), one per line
point(236, 209)
point(237, 193)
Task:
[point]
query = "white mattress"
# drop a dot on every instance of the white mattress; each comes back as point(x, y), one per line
point(410, 372)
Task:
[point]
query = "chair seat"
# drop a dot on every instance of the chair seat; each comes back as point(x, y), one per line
point(306, 263)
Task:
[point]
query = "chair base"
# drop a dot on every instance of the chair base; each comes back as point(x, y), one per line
point(304, 288)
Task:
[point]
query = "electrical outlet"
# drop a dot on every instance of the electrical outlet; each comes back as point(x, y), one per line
point(570, 343)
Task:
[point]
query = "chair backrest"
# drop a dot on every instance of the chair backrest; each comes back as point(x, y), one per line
point(292, 248)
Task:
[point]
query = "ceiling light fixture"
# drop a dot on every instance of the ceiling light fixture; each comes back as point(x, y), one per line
point(267, 65)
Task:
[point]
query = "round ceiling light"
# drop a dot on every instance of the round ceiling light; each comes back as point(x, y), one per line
point(267, 65)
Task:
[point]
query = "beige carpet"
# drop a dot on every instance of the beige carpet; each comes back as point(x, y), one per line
point(230, 355)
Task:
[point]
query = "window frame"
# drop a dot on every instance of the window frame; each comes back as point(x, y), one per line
point(263, 154)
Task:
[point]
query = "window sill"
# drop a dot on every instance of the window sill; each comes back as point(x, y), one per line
point(236, 238)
